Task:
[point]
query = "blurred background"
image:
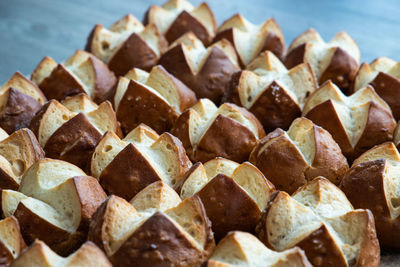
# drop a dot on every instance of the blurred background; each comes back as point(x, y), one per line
point(32, 29)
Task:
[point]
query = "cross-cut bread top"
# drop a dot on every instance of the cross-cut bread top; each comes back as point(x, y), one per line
point(301, 134)
point(316, 204)
point(18, 152)
point(80, 67)
point(106, 42)
point(10, 237)
point(22, 84)
point(205, 112)
point(249, 39)
point(102, 116)
point(164, 16)
point(391, 175)
point(299, 81)
point(48, 190)
point(161, 152)
point(352, 110)
point(368, 72)
point(160, 83)
point(246, 175)
point(121, 219)
point(39, 254)
point(196, 53)
point(319, 53)
point(243, 249)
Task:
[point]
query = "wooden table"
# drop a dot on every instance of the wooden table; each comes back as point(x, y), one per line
point(33, 29)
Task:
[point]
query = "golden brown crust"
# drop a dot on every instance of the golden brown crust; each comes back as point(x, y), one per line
point(35, 227)
point(211, 79)
point(223, 200)
point(217, 143)
point(135, 53)
point(23, 150)
point(378, 129)
point(91, 195)
point(273, 161)
point(157, 240)
point(363, 184)
point(60, 84)
point(184, 23)
point(130, 170)
point(6, 256)
point(128, 173)
point(139, 105)
point(74, 141)
point(283, 162)
point(224, 137)
point(18, 111)
point(388, 87)
point(327, 236)
point(321, 249)
point(274, 111)
point(104, 80)
point(341, 70)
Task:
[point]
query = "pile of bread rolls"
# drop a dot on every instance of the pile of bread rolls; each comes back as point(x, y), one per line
point(178, 142)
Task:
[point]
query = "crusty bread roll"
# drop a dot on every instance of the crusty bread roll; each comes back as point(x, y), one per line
point(11, 240)
point(234, 195)
point(70, 130)
point(356, 122)
point(241, 249)
point(40, 255)
point(124, 167)
point(20, 99)
point(371, 183)
point(291, 159)
point(274, 94)
point(319, 219)
point(17, 153)
point(81, 73)
point(336, 60)
point(207, 71)
point(155, 99)
point(54, 203)
point(155, 229)
point(208, 132)
point(250, 40)
point(177, 17)
point(384, 75)
point(127, 44)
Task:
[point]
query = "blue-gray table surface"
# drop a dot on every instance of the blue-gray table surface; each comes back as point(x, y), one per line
point(32, 29)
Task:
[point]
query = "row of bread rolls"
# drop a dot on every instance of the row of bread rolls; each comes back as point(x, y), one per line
point(206, 131)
